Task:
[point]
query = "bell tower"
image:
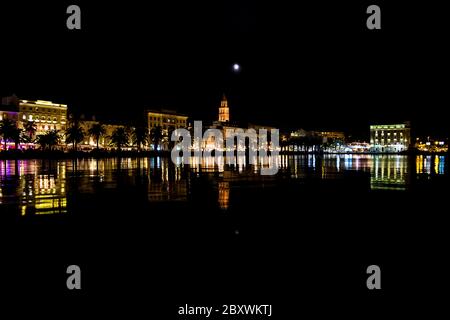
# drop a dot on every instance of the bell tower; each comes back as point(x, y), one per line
point(224, 111)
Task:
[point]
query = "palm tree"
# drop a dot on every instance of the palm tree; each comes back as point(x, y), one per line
point(74, 135)
point(97, 131)
point(156, 136)
point(140, 137)
point(119, 138)
point(170, 143)
point(49, 140)
point(16, 136)
point(7, 130)
point(30, 129)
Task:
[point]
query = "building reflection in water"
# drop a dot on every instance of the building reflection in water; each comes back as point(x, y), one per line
point(166, 180)
point(37, 187)
point(159, 177)
point(224, 194)
point(430, 165)
point(389, 172)
point(40, 186)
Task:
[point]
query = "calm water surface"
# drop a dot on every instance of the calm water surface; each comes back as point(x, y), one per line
point(35, 187)
point(148, 223)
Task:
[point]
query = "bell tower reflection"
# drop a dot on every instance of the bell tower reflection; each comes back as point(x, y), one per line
point(224, 194)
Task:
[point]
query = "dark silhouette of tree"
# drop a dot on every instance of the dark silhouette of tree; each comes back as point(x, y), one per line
point(119, 138)
point(16, 137)
point(7, 131)
point(74, 135)
point(140, 137)
point(96, 132)
point(30, 129)
point(49, 140)
point(171, 143)
point(156, 136)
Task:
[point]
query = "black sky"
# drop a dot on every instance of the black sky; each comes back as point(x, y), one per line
point(309, 65)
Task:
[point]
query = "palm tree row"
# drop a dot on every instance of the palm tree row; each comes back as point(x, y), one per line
point(121, 137)
point(10, 132)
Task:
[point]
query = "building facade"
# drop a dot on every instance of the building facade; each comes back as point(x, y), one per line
point(167, 121)
point(390, 137)
point(104, 142)
point(9, 112)
point(330, 136)
point(41, 115)
point(45, 114)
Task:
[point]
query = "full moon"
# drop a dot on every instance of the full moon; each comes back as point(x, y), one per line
point(236, 67)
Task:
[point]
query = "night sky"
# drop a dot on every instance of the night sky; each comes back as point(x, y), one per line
point(311, 65)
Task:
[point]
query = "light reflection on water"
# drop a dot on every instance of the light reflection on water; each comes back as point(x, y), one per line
point(42, 186)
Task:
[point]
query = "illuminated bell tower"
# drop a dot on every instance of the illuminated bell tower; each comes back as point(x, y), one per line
point(224, 111)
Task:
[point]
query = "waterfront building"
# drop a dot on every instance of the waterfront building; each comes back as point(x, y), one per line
point(167, 121)
point(331, 136)
point(431, 145)
point(104, 142)
point(45, 115)
point(9, 112)
point(390, 137)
